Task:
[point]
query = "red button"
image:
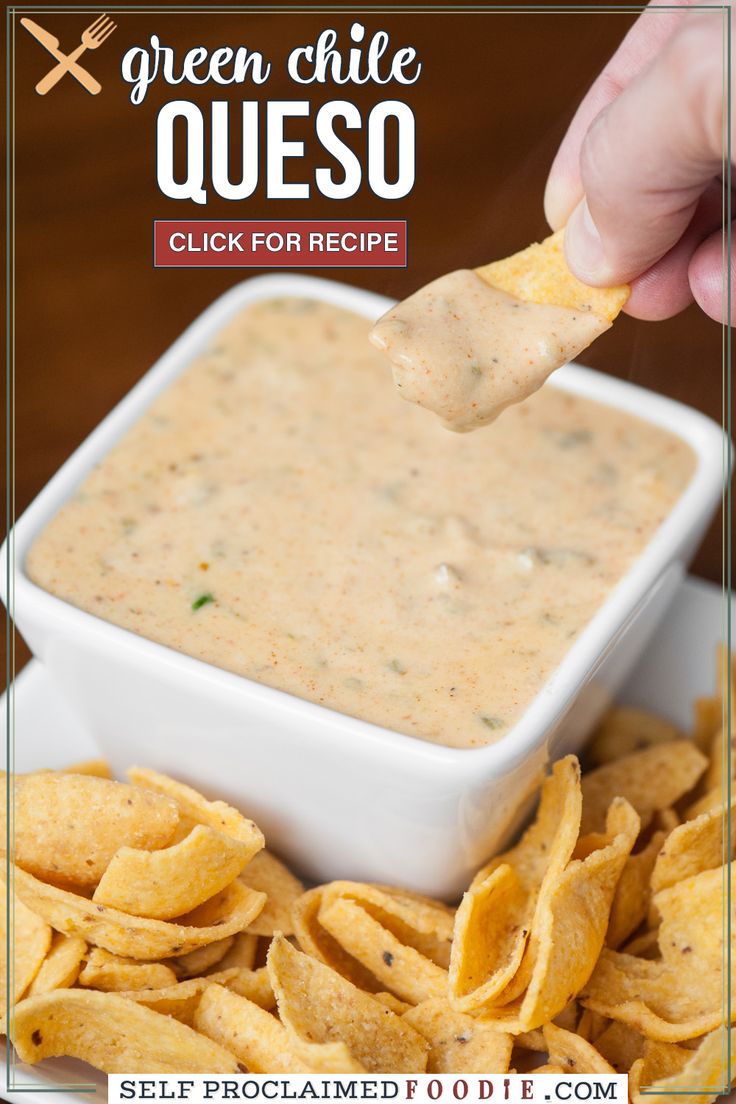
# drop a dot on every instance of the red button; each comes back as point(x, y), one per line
point(357, 243)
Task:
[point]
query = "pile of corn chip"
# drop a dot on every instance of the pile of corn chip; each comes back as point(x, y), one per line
point(153, 933)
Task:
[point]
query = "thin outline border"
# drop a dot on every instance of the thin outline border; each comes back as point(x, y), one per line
point(469, 9)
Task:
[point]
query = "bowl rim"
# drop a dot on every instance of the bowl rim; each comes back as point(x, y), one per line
point(690, 511)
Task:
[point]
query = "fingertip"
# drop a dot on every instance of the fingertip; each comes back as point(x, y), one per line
point(667, 287)
point(661, 292)
point(707, 276)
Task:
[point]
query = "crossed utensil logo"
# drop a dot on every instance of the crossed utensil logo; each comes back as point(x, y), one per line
point(92, 37)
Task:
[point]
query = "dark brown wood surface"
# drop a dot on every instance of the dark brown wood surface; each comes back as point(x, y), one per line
point(92, 314)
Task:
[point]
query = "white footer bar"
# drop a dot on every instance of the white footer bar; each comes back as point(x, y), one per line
point(425, 1088)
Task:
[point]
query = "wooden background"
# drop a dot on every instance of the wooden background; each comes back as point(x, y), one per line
point(493, 101)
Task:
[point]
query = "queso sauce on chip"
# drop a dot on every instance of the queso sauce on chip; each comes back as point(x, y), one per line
point(279, 512)
point(467, 351)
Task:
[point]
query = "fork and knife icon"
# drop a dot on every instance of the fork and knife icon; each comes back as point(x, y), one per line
point(92, 37)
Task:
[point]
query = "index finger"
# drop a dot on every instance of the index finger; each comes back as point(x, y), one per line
point(649, 33)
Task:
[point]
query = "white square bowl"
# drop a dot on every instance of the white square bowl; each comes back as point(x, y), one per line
point(337, 796)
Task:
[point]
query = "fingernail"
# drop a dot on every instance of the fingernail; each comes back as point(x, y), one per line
point(559, 201)
point(583, 246)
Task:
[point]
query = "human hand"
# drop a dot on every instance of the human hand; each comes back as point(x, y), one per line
point(638, 178)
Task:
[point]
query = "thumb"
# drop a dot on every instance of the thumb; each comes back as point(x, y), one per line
point(648, 157)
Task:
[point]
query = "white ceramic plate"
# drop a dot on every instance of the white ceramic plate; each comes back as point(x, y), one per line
point(679, 665)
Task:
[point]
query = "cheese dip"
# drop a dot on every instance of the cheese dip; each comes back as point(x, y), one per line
point(467, 350)
point(279, 512)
